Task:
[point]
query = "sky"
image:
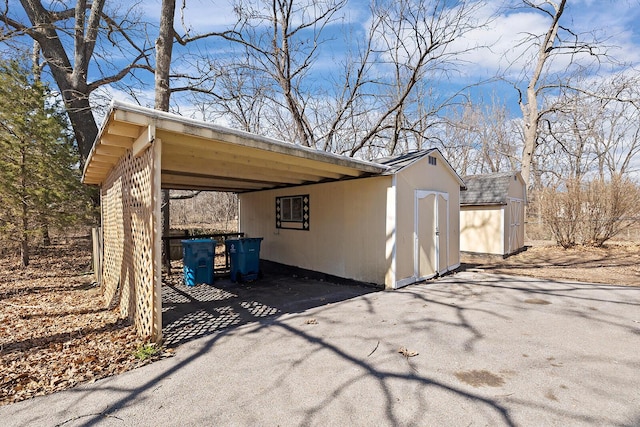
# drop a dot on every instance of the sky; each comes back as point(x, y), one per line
point(617, 22)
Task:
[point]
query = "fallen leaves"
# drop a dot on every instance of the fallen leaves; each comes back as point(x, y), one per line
point(407, 353)
point(55, 331)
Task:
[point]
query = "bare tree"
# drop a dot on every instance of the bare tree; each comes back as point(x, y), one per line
point(74, 39)
point(414, 43)
point(582, 51)
point(618, 131)
point(481, 138)
point(282, 38)
point(373, 102)
point(593, 132)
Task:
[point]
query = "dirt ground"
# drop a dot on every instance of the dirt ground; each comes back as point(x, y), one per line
point(56, 333)
point(616, 263)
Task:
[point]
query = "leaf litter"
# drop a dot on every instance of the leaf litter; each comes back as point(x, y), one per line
point(55, 330)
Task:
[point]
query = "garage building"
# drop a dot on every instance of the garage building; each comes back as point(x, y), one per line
point(391, 229)
point(391, 222)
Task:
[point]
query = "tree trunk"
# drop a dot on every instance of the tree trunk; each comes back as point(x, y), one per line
point(71, 80)
point(24, 244)
point(84, 125)
point(531, 121)
point(164, 50)
point(46, 238)
point(24, 238)
point(530, 112)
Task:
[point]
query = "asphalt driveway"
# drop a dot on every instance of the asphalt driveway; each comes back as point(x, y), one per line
point(470, 349)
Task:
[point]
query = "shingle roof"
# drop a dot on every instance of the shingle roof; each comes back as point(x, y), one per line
point(397, 163)
point(487, 189)
point(403, 160)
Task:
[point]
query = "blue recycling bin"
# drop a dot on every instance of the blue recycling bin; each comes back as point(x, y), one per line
point(244, 257)
point(197, 258)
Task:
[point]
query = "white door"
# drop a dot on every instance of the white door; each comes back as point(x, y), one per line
point(515, 225)
point(431, 234)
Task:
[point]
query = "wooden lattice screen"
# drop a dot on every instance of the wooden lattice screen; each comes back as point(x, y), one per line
point(130, 226)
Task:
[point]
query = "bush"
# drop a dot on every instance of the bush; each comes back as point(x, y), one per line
point(590, 213)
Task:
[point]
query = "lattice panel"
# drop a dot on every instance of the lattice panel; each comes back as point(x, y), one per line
point(127, 208)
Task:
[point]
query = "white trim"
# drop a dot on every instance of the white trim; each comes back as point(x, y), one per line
point(421, 194)
point(411, 280)
point(452, 267)
point(503, 220)
point(392, 230)
point(405, 282)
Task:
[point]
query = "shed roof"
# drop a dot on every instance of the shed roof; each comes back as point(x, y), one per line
point(487, 189)
point(397, 163)
point(205, 156)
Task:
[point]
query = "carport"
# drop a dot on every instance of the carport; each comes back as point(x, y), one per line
point(141, 151)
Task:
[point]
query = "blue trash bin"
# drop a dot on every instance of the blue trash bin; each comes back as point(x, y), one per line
point(244, 257)
point(197, 257)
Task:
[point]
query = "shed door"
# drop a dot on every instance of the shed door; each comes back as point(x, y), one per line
point(516, 232)
point(431, 234)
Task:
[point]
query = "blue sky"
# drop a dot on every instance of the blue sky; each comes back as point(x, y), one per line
point(617, 22)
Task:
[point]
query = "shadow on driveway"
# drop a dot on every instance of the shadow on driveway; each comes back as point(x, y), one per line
point(486, 350)
point(197, 311)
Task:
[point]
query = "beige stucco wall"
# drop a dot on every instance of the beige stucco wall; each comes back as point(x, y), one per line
point(347, 233)
point(423, 176)
point(482, 229)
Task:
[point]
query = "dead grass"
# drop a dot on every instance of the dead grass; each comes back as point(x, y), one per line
point(616, 263)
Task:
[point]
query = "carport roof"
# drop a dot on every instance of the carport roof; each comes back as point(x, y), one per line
point(203, 156)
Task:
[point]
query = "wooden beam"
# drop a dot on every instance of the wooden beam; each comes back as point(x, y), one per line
point(196, 182)
point(243, 161)
point(102, 158)
point(208, 181)
point(262, 182)
point(123, 129)
point(102, 164)
point(200, 143)
point(108, 150)
point(156, 218)
point(144, 140)
point(214, 168)
point(116, 141)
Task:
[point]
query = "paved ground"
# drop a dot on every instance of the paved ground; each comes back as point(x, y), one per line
point(491, 350)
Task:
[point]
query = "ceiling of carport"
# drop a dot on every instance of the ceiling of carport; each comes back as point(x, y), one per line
point(202, 156)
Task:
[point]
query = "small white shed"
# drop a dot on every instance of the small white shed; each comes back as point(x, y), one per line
point(492, 213)
point(390, 229)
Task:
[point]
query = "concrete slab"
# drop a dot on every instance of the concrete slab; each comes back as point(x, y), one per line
point(190, 312)
point(491, 350)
